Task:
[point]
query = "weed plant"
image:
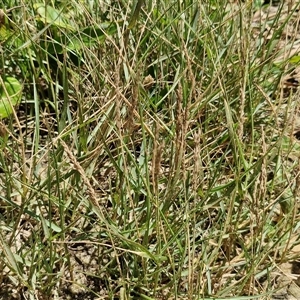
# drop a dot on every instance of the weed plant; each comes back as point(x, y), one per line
point(146, 159)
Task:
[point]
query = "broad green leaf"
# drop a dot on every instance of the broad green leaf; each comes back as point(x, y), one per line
point(91, 36)
point(10, 93)
point(100, 32)
point(53, 226)
point(295, 59)
point(52, 16)
point(5, 33)
point(11, 257)
point(8, 34)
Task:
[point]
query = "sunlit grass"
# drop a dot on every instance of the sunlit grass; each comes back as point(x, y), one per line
point(149, 161)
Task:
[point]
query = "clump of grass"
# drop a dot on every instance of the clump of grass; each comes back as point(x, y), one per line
point(146, 159)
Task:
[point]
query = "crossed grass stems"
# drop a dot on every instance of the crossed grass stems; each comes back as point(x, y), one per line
point(164, 160)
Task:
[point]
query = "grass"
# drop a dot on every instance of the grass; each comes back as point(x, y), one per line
point(152, 155)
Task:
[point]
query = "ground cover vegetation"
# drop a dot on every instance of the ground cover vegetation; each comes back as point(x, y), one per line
point(148, 149)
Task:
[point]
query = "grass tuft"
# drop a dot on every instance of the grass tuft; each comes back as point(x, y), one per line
point(154, 152)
